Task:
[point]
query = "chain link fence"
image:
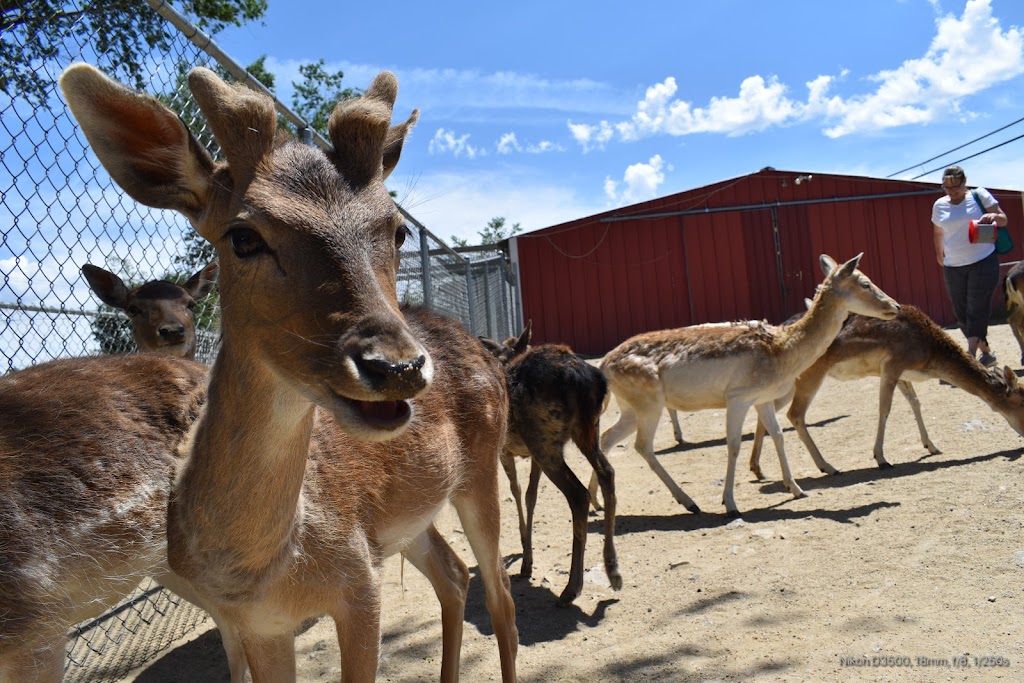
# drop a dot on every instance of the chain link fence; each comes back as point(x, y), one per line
point(60, 210)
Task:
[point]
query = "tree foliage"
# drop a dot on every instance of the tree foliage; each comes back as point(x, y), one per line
point(36, 31)
point(315, 97)
point(494, 232)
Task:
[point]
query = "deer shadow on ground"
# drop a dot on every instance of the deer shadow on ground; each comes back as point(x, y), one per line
point(925, 463)
point(720, 442)
point(538, 617)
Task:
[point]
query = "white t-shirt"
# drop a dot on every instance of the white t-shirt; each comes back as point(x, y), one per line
point(954, 220)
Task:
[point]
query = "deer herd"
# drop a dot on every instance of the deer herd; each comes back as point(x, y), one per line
point(335, 424)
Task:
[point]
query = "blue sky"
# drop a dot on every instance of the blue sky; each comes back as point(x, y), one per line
point(543, 112)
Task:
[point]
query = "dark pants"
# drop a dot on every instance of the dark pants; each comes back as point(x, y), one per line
point(970, 289)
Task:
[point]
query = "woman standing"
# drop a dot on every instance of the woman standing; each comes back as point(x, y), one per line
point(971, 271)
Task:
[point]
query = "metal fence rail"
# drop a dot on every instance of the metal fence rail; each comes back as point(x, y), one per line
point(59, 210)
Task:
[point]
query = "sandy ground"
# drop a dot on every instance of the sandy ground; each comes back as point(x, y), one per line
point(910, 574)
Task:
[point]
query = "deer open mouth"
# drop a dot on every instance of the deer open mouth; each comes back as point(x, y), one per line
point(384, 414)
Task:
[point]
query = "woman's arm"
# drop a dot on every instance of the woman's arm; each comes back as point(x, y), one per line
point(937, 237)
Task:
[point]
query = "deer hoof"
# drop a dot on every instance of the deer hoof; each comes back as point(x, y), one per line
point(566, 598)
point(693, 508)
point(616, 581)
point(732, 514)
point(884, 466)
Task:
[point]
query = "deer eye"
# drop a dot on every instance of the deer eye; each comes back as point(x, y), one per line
point(191, 305)
point(133, 311)
point(401, 235)
point(246, 242)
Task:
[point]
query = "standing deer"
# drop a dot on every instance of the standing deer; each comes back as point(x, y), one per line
point(336, 428)
point(732, 366)
point(555, 396)
point(1014, 285)
point(908, 348)
point(161, 312)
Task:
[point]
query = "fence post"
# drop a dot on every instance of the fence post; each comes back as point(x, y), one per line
point(470, 299)
point(428, 299)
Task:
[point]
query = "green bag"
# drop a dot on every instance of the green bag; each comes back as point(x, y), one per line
point(1004, 243)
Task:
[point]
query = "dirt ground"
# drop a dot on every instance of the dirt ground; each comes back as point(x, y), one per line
point(910, 574)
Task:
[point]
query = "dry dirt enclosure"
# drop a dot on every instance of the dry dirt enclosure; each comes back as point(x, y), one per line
point(910, 574)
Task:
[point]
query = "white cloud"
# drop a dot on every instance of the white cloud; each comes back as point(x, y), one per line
point(509, 143)
point(968, 55)
point(591, 136)
point(640, 182)
point(446, 142)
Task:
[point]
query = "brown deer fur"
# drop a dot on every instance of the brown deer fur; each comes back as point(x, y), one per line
point(555, 396)
point(732, 366)
point(87, 454)
point(909, 348)
point(160, 311)
point(335, 427)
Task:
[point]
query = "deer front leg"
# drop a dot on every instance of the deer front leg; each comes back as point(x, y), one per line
point(766, 415)
point(735, 412)
point(915, 405)
point(886, 387)
point(576, 494)
point(272, 660)
point(436, 560)
point(480, 514)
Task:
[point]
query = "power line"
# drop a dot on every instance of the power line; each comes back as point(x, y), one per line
point(970, 157)
point(922, 163)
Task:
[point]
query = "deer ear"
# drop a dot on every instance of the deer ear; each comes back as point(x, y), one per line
point(491, 345)
point(146, 149)
point(827, 263)
point(200, 284)
point(107, 286)
point(1011, 379)
point(524, 339)
point(395, 141)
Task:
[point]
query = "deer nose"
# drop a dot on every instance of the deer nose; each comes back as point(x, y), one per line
point(394, 377)
point(172, 332)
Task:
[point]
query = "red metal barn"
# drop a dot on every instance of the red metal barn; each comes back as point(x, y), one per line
point(745, 248)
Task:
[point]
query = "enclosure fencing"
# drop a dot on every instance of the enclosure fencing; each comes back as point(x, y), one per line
point(60, 210)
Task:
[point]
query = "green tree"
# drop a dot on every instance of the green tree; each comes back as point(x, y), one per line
point(314, 98)
point(494, 232)
point(125, 33)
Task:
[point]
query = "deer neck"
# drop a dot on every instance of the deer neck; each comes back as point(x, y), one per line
point(806, 340)
point(236, 511)
point(963, 372)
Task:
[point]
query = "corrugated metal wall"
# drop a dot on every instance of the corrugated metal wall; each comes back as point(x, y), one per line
point(746, 248)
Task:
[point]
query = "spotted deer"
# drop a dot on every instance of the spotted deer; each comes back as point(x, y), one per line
point(908, 348)
point(88, 447)
point(161, 312)
point(732, 366)
point(555, 396)
point(336, 425)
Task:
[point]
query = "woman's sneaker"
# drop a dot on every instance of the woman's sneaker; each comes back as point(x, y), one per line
point(987, 359)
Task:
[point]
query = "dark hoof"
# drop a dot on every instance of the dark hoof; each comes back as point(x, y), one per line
point(885, 466)
point(616, 581)
point(732, 514)
point(837, 472)
point(565, 600)
point(693, 508)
